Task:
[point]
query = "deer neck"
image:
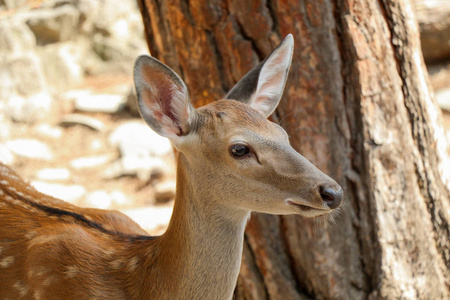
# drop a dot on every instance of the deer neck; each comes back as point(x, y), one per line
point(205, 239)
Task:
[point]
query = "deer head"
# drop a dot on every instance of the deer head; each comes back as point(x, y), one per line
point(236, 158)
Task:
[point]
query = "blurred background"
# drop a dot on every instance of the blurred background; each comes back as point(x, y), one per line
point(68, 119)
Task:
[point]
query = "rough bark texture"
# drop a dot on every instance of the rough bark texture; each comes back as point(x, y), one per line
point(358, 105)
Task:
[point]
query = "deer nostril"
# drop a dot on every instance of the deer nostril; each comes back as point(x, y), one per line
point(331, 197)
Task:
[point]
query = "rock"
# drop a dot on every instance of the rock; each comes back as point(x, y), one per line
point(105, 103)
point(62, 63)
point(70, 193)
point(71, 95)
point(135, 138)
point(142, 167)
point(104, 200)
point(89, 11)
point(29, 109)
point(53, 25)
point(11, 4)
point(117, 25)
point(78, 119)
point(119, 198)
point(165, 191)
point(434, 25)
point(443, 98)
point(47, 130)
point(53, 174)
point(6, 156)
point(131, 103)
point(24, 90)
point(26, 74)
point(30, 148)
point(150, 218)
point(15, 37)
point(5, 124)
point(98, 199)
point(91, 161)
point(143, 152)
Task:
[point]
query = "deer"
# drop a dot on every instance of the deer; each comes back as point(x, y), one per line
point(231, 161)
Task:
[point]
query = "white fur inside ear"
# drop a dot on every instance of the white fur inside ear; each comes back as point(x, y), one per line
point(272, 79)
point(180, 105)
point(164, 100)
point(176, 125)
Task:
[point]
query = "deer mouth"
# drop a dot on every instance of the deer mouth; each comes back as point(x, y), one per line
point(306, 208)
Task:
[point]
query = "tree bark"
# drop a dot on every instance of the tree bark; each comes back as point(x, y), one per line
point(358, 105)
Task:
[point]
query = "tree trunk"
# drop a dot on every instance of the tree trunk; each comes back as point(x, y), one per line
point(358, 105)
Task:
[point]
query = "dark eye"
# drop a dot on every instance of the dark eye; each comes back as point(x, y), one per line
point(239, 150)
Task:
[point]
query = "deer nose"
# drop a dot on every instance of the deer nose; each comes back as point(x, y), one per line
point(331, 196)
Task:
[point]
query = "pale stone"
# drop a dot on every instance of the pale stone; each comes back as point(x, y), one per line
point(71, 193)
point(6, 156)
point(79, 119)
point(62, 64)
point(23, 89)
point(91, 161)
point(11, 4)
point(143, 167)
point(15, 37)
point(135, 138)
point(29, 109)
point(98, 199)
point(105, 200)
point(150, 218)
point(131, 103)
point(119, 198)
point(30, 148)
point(53, 24)
point(443, 98)
point(53, 174)
point(73, 94)
point(106, 103)
point(49, 131)
point(6, 126)
point(165, 191)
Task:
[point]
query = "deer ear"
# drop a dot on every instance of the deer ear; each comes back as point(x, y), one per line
point(163, 98)
point(262, 87)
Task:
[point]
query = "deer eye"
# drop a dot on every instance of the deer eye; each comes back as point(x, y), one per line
point(239, 150)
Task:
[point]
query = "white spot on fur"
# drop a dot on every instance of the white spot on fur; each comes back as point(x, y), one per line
point(4, 182)
point(132, 264)
point(21, 288)
point(7, 261)
point(37, 272)
point(118, 263)
point(72, 271)
point(30, 235)
point(49, 280)
point(37, 295)
point(109, 252)
point(39, 240)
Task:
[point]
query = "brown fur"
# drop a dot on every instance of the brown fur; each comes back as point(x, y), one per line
point(50, 249)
